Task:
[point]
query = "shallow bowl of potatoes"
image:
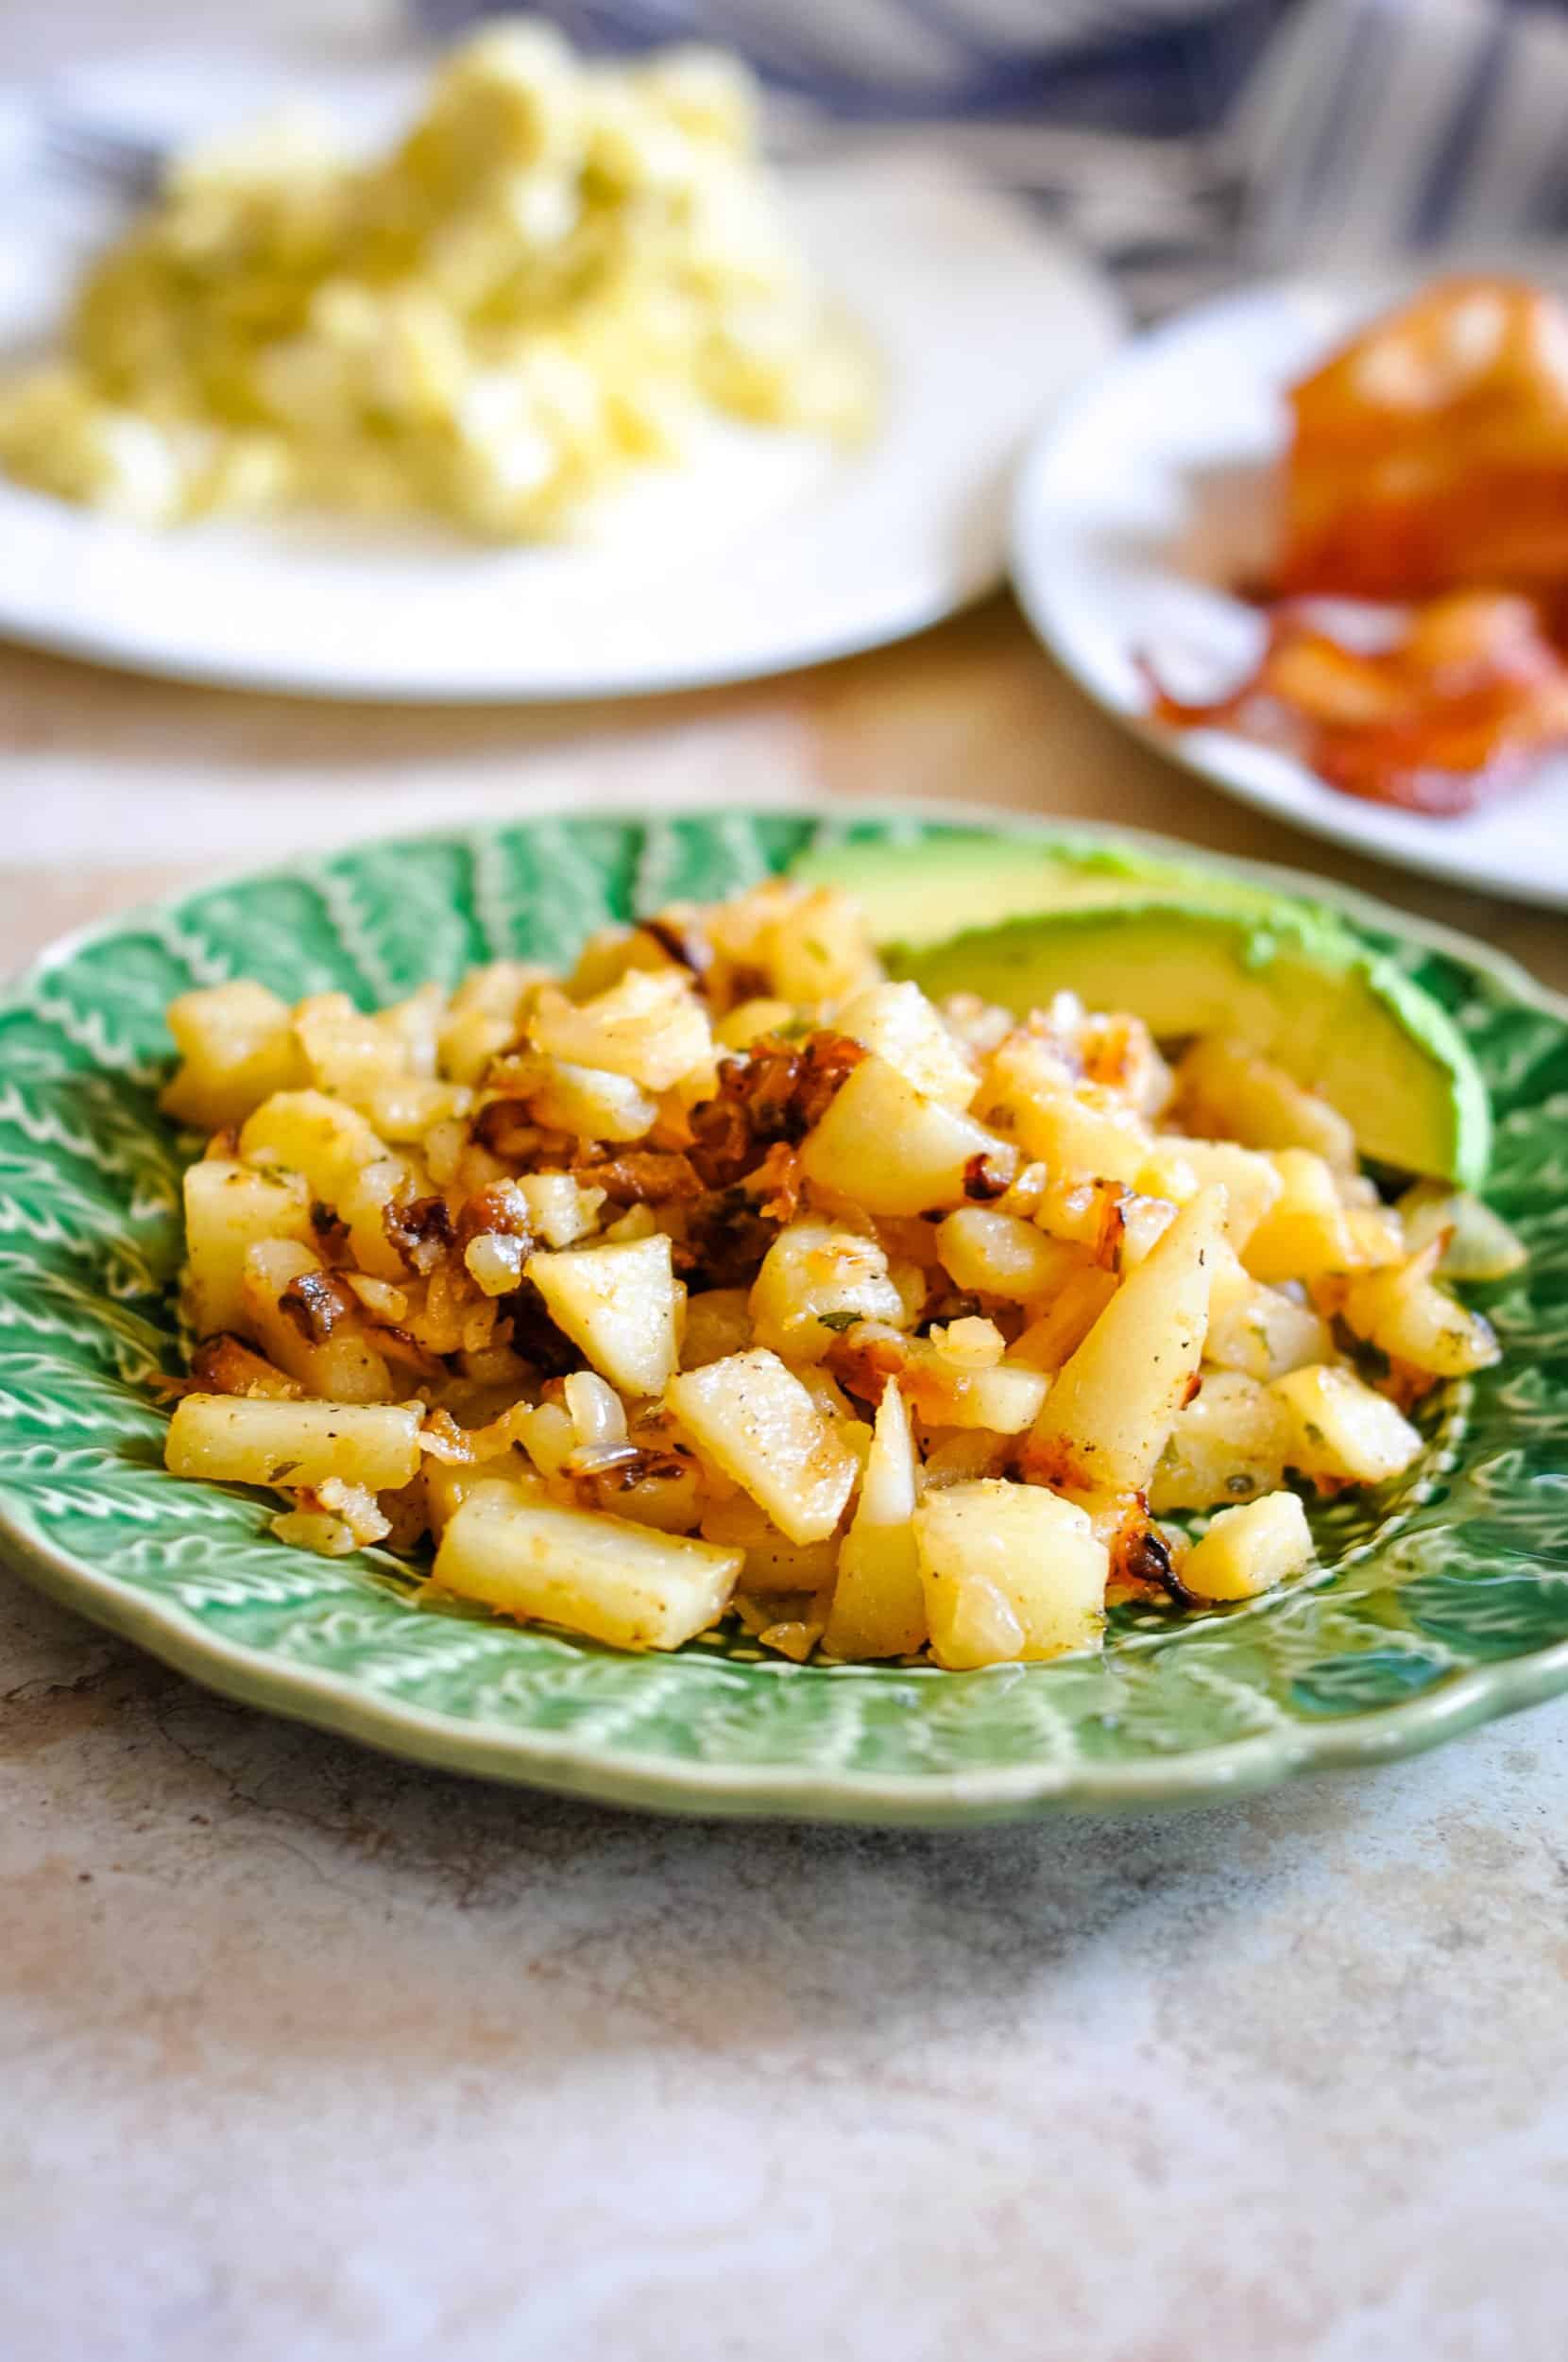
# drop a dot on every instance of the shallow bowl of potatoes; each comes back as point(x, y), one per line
point(563, 1303)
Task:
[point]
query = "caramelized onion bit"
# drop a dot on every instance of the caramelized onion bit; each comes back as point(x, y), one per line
point(420, 1229)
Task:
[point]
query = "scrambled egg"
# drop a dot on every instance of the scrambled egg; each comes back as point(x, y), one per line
point(559, 272)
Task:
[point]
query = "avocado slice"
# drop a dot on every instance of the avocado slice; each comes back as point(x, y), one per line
point(948, 879)
point(1285, 978)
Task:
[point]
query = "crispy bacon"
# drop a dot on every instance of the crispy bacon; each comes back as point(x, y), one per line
point(498, 1210)
point(225, 1365)
point(315, 1302)
point(505, 1127)
point(420, 1230)
point(642, 1176)
point(1450, 713)
point(535, 1335)
point(776, 1183)
point(777, 1092)
point(726, 1239)
point(721, 1142)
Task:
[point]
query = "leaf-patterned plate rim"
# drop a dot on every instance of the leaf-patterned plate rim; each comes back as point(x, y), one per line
point(820, 1785)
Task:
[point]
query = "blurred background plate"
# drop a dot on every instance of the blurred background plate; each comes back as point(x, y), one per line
point(1152, 492)
point(769, 551)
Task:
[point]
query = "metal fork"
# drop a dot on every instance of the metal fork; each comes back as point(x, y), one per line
point(109, 163)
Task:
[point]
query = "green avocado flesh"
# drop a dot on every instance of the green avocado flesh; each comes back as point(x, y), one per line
point(951, 880)
point(1189, 953)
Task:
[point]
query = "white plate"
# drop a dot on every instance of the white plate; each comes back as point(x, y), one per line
point(1148, 494)
point(768, 552)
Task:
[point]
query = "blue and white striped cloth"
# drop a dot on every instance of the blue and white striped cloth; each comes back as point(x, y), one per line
point(1182, 140)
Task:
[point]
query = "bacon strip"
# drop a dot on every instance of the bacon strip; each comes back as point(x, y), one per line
point(1455, 711)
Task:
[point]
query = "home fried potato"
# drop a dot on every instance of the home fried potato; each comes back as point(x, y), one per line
point(721, 1274)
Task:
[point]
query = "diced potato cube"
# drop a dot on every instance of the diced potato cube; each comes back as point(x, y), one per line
point(494, 1263)
point(610, 953)
point(286, 1296)
point(229, 1207)
point(973, 1623)
point(409, 1106)
point(718, 1322)
point(1229, 1092)
point(816, 1281)
point(902, 1026)
point(1086, 1133)
point(1025, 1072)
point(743, 931)
point(750, 1019)
point(878, 1600)
point(349, 1056)
point(621, 1303)
point(821, 951)
point(1001, 1254)
point(1404, 1313)
point(446, 1486)
point(888, 1149)
point(1121, 1052)
point(1003, 1397)
point(774, 1563)
point(1475, 1243)
point(1304, 1235)
point(1144, 1223)
point(1080, 1130)
point(559, 1210)
point(618, 1582)
point(1342, 1430)
point(237, 1044)
point(637, 1222)
point(484, 1017)
point(345, 1163)
point(1259, 1329)
point(1107, 1416)
point(1051, 1340)
point(1168, 1171)
point(757, 1423)
point(971, 1342)
point(414, 1026)
point(650, 1027)
point(1376, 1237)
point(593, 1104)
point(1250, 1548)
point(1250, 1180)
point(246, 1440)
point(1037, 1553)
point(1228, 1444)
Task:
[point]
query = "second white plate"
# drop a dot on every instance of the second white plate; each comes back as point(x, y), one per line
point(1150, 493)
point(769, 552)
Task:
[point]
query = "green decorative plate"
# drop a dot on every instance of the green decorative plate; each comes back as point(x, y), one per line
point(1443, 1600)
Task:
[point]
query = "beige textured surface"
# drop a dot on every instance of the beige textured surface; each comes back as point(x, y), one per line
point(309, 2058)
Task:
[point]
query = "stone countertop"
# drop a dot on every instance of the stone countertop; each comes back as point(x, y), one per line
point(310, 2057)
